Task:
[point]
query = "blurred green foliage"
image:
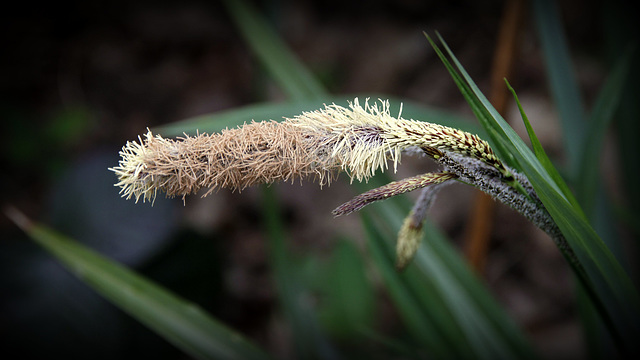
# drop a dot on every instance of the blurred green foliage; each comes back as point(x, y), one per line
point(330, 305)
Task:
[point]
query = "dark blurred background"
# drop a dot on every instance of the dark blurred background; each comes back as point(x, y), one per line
point(78, 80)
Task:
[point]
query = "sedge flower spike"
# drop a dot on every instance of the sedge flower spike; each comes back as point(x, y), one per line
point(358, 140)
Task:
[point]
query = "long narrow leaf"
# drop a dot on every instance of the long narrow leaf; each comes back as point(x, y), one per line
point(562, 80)
point(476, 324)
point(491, 120)
point(480, 111)
point(599, 120)
point(277, 111)
point(611, 286)
point(441, 314)
point(287, 70)
point(420, 314)
point(605, 279)
point(538, 150)
point(300, 86)
point(309, 340)
point(348, 308)
point(180, 322)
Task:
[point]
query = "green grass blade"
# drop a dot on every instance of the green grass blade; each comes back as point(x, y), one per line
point(590, 189)
point(583, 139)
point(310, 342)
point(601, 117)
point(348, 305)
point(447, 292)
point(485, 323)
point(611, 285)
point(421, 315)
point(211, 123)
point(180, 322)
point(482, 113)
point(538, 150)
point(484, 334)
point(562, 80)
point(620, 31)
point(292, 76)
point(498, 129)
point(605, 279)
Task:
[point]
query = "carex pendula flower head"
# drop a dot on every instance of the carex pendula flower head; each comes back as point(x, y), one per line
point(358, 140)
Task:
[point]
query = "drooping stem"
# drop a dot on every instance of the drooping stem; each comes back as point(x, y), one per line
point(492, 182)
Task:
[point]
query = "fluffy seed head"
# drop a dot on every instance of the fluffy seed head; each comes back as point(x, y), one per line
point(357, 140)
point(252, 154)
point(362, 139)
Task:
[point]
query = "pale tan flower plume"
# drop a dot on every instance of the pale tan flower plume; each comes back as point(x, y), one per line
point(319, 144)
